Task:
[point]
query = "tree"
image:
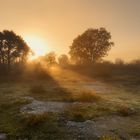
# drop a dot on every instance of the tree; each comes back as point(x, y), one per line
point(50, 58)
point(13, 49)
point(91, 46)
point(63, 59)
point(119, 61)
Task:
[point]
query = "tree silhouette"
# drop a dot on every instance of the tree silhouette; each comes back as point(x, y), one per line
point(13, 49)
point(91, 46)
point(50, 58)
point(63, 59)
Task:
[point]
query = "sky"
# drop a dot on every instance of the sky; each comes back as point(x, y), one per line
point(55, 23)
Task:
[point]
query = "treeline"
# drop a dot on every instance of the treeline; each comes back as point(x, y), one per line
point(88, 47)
point(85, 53)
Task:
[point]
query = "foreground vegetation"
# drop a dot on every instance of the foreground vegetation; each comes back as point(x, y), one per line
point(85, 104)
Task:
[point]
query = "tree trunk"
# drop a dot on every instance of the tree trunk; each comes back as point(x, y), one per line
point(8, 60)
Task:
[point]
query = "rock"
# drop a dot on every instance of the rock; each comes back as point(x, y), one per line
point(40, 107)
point(85, 129)
point(2, 136)
point(29, 98)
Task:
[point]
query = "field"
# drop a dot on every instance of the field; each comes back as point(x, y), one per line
point(64, 103)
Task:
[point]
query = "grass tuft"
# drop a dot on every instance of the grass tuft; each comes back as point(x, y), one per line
point(88, 97)
point(35, 119)
point(125, 111)
point(107, 137)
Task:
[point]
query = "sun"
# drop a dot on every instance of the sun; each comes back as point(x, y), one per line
point(37, 45)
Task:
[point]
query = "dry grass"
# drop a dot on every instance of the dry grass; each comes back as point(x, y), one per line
point(76, 113)
point(35, 119)
point(125, 111)
point(107, 137)
point(37, 89)
point(87, 96)
point(84, 111)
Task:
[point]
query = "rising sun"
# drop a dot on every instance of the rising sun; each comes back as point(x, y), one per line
point(37, 45)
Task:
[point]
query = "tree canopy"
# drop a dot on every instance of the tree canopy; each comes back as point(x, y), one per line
point(63, 59)
point(13, 49)
point(50, 58)
point(91, 46)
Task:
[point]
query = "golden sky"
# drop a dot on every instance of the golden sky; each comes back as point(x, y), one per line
point(58, 22)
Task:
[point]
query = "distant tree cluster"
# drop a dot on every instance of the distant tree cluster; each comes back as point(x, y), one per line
point(63, 60)
point(91, 46)
point(13, 49)
point(87, 48)
point(50, 58)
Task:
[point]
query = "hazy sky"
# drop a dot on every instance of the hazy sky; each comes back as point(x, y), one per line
point(58, 22)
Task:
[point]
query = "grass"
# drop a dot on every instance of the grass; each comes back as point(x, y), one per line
point(35, 119)
point(17, 126)
point(125, 111)
point(86, 106)
point(37, 89)
point(135, 132)
point(87, 96)
point(82, 112)
point(107, 137)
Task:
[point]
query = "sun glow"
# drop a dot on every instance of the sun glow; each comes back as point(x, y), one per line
point(37, 45)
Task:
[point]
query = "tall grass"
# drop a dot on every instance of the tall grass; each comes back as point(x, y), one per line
point(87, 96)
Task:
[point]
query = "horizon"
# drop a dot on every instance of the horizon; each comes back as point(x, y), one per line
point(56, 23)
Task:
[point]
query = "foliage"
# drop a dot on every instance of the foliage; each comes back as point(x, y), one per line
point(50, 58)
point(91, 46)
point(63, 59)
point(13, 49)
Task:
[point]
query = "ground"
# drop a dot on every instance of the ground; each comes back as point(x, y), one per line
point(71, 106)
